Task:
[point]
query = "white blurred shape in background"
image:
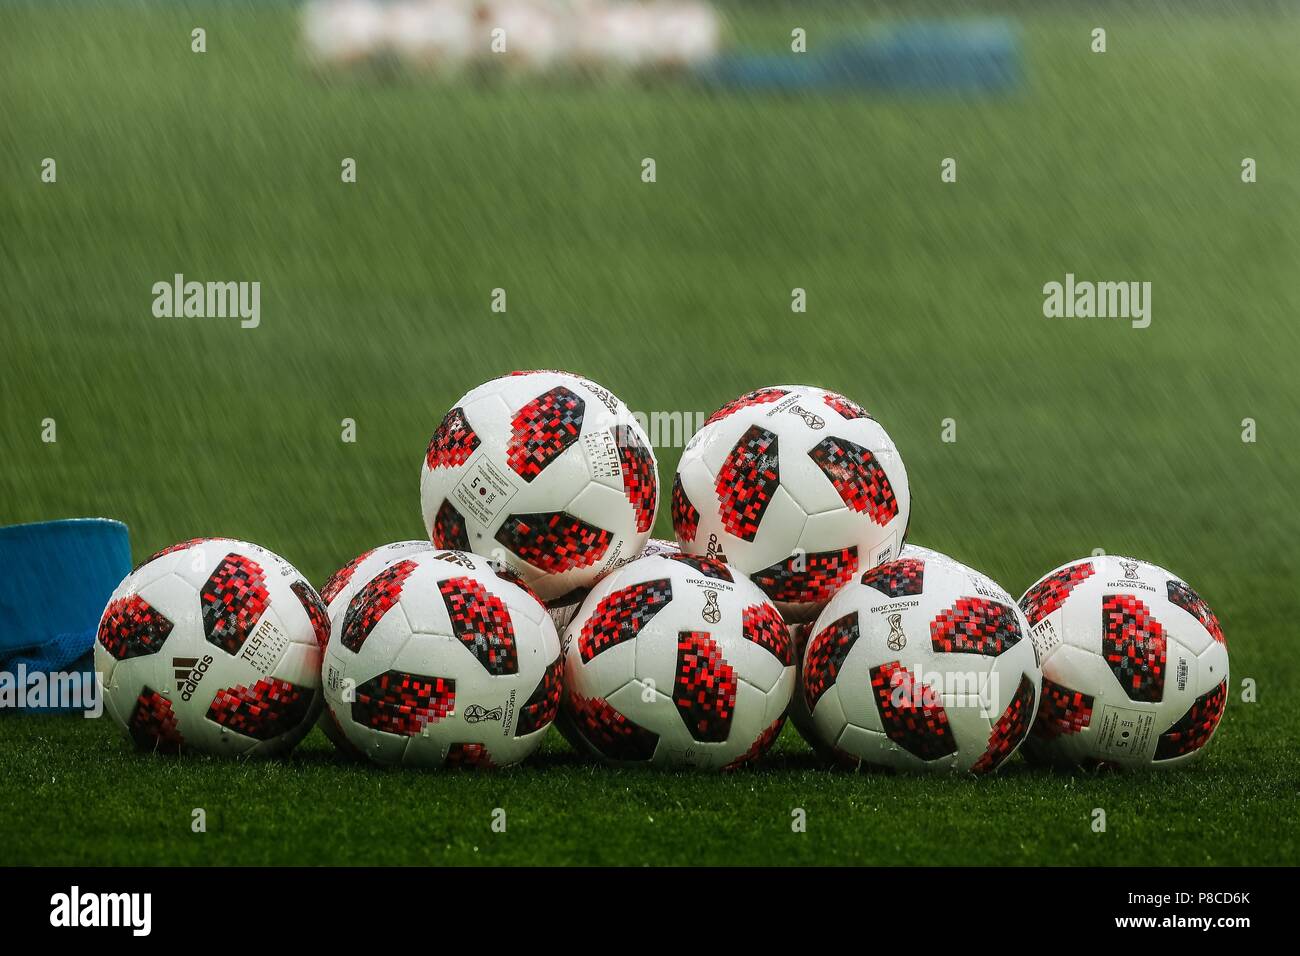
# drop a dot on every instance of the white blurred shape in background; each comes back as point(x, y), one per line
point(344, 32)
point(686, 34)
point(533, 32)
point(431, 34)
point(612, 36)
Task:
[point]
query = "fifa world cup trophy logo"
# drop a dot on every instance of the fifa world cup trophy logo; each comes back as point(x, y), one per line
point(476, 714)
point(711, 613)
point(813, 421)
point(897, 640)
point(1130, 570)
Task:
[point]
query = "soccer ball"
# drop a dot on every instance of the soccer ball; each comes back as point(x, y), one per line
point(546, 472)
point(675, 660)
point(213, 646)
point(1135, 665)
point(439, 660)
point(799, 634)
point(920, 664)
point(337, 594)
point(797, 487)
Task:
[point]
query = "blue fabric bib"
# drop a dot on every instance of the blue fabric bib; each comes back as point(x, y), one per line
point(55, 579)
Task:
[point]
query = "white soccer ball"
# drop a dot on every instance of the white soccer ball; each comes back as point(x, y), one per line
point(676, 660)
point(1135, 665)
point(800, 631)
point(438, 660)
point(797, 487)
point(338, 592)
point(546, 472)
point(213, 646)
point(920, 665)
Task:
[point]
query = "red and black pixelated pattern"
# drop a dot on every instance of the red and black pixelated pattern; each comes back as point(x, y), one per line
point(686, 520)
point(705, 687)
point(747, 481)
point(912, 716)
point(762, 625)
point(468, 757)
point(372, 602)
point(1133, 644)
point(709, 567)
point(233, 599)
point(808, 578)
point(899, 578)
point(858, 478)
point(453, 442)
point(1063, 711)
point(554, 542)
point(449, 529)
point(132, 627)
point(1184, 597)
point(761, 396)
point(542, 705)
point(760, 746)
point(340, 578)
point(619, 616)
point(640, 481)
point(481, 622)
point(1193, 729)
point(845, 406)
point(608, 731)
point(316, 611)
point(400, 703)
point(266, 710)
point(152, 725)
point(171, 549)
point(1010, 730)
point(825, 656)
point(542, 430)
point(975, 626)
point(1050, 593)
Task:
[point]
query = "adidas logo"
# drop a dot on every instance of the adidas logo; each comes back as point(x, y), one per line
point(188, 672)
point(183, 666)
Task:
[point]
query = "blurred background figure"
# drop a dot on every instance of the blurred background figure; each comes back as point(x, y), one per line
point(343, 32)
point(617, 37)
point(685, 34)
point(522, 36)
point(434, 35)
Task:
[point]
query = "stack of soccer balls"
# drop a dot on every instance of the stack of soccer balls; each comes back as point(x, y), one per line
point(538, 597)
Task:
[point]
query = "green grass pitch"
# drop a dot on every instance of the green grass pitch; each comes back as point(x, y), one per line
point(924, 303)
